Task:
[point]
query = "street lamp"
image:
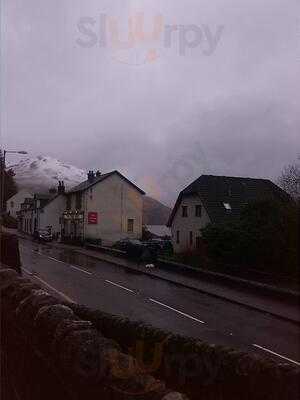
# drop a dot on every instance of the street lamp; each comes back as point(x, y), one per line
point(3, 172)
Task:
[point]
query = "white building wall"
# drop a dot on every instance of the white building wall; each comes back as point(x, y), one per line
point(27, 221)
point(188, 224)
point(13, 205)
point(115, 201)
point(50, 215)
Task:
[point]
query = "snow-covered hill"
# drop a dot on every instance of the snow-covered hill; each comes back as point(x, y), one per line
point(42, 173)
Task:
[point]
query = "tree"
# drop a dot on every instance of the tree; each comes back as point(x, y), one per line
point(10, 187)
point(265, 236)
point(289, 180)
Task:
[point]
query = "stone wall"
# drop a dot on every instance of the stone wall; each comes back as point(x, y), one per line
point(197, 368)
point(48, 352)
point(9, 251)
point(53, 350)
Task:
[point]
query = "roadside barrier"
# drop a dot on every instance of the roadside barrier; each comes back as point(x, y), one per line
point(199, 369)
point(9, 251)
point(48, 352)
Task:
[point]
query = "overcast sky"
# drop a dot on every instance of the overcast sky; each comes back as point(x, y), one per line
point(222, 98)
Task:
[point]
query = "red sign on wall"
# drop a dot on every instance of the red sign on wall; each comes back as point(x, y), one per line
point(93, 218)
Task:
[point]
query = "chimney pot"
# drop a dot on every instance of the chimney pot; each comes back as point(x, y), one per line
point(91, 176)
point(61, 187)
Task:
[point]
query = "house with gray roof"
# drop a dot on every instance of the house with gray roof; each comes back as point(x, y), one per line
point(106, 207)
point(215, 199)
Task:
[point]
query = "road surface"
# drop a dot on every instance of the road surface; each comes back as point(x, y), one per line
point(101, 285)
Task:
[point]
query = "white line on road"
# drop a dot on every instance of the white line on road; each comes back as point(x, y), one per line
point(276, 354)
point(49, 286)
point(119, 286)
point(80, 269)
point(62, 262)
point(177, 311)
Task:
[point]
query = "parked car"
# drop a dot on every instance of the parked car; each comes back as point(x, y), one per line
point(123, 244)
point(140, 251)
point(161, 245)
point(43, 235)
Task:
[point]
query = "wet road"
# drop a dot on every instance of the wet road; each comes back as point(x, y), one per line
point(98, 284)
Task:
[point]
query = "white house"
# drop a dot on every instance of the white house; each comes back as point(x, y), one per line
point(50, 215)
point(214, 199)
point(13, 204)
point(30, 214)
point(106, 206)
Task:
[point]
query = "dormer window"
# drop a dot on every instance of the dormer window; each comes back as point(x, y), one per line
point(227, 206)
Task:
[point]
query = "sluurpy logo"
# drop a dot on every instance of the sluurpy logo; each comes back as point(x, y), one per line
point(137, 45)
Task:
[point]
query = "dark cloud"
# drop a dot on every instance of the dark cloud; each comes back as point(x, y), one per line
point(163, 122)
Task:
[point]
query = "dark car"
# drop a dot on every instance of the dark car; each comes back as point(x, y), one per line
point(43, 235)
point(137, 250)
point(123, 244)
point(162, 246)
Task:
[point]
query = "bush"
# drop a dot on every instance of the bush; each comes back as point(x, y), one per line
point(265, 236)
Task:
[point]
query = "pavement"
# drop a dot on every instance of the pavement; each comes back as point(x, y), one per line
point(121, 288)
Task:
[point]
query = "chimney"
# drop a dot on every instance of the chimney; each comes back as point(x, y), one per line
point(91, 176)
point(98, 174)
point(61, 187)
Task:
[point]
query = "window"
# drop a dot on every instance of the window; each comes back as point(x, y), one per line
point(184, 211)
point(198, 210)
point(68, 203)
point(130, 225)
point(198, 242)
point(191, 238)
point(227, 206)
point(12, 204)
point(177, 237)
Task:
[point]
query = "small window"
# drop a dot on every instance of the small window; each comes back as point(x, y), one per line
point(198, 210)
point(130, 225)
point(227, 206)
point(191, 238)
point(184, 211)
point(198, 242)
point(12, 204)
point(177, 237)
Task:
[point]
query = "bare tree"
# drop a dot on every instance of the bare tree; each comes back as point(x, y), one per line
point(289, 180)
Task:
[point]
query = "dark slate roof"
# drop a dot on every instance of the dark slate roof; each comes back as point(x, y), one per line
point(28, 200)
point(42, 196)
point(213, 191)
point(87, 184)
point(53, 197)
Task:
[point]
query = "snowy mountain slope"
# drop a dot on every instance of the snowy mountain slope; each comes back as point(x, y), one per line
point(42, 173)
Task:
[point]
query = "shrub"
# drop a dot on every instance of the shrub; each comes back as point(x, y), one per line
point(265, 236)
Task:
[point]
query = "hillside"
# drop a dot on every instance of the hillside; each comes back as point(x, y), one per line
point(154, 212)
point(43, 172)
